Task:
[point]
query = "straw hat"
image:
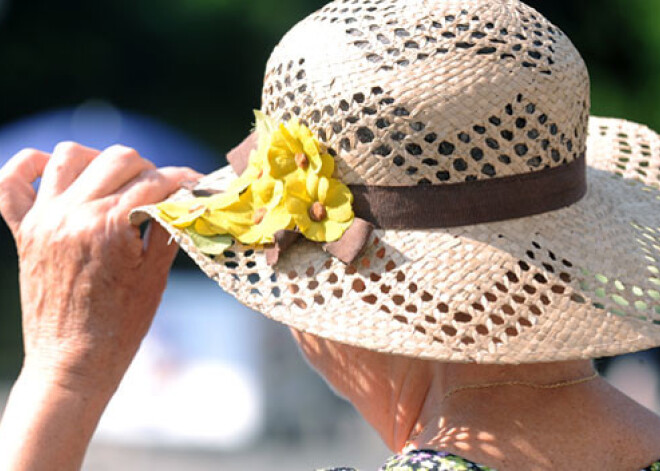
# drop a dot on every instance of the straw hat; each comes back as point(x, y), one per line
point(433, 95)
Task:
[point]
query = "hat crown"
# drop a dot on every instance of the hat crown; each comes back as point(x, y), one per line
point(409, 92)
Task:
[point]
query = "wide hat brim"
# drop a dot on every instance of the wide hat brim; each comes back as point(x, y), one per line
point(580, 282)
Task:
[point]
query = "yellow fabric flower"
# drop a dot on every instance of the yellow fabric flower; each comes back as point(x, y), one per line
point(189, 217)
point(224, 213)
point(257, 162)
point(269, 214)
point(182, 214)
point(256, 168)
point(287, 183)
point(227, 214)
point(293, 148)
point(320, 207)
point(252, 217)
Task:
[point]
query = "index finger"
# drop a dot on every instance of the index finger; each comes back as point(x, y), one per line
point(16, 192)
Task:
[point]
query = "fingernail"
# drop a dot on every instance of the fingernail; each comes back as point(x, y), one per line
point(188, 184)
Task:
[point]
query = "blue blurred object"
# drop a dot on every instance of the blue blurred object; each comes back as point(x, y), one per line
point(98, 124)
point(196, 381)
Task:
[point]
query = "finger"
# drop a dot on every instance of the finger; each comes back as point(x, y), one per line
point(159, 249)
point(16, 192)
point(153, 186)
point(67, 162)
point(111, 170)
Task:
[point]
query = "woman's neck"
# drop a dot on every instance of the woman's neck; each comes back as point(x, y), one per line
point(454, 384)
point(512, 426)
point(506, 427)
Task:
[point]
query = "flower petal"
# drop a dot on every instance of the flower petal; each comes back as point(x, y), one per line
point(204, 227)
point(312, 185)
point(265, 127)
point(175, 209)
point(296, 205)
point(302, 220)
point(276, 220)
point(292, 142)
point(328, 165)
point(337, 194)
point(281, 162)
point(187, 219)
point(267, 192)
point(341, 213)
point(334, 230)
point(314, 231)
point(278, 194)
point(323, 189)
point(222, 200)
point(252, 236)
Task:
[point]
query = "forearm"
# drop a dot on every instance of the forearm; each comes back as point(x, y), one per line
point(47, 425)
point(83, 318)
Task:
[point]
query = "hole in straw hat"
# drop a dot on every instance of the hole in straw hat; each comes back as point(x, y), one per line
point(449, 330)
point(462, 317)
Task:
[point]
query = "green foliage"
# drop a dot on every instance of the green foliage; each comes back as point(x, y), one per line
point(620, 42)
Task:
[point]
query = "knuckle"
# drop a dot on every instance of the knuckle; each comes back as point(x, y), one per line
point(26, 154)
point(147, 176)
point(14, 163)
point(168, 171)
point(123, 152)
point(127, 156)
point(181, 172)
point(66, 147)
point(187, 170)
point(152, 174)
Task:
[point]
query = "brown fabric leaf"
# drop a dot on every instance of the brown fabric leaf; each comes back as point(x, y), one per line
point(239, 156)
point(352, 243)
point(282, 241)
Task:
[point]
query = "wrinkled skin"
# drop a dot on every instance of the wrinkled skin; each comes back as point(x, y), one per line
point(89, 284)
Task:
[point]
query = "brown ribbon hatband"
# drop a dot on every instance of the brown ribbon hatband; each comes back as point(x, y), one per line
point(447, 205)
point(481, 201)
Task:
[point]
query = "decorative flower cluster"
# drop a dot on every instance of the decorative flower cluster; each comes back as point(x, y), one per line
point(287, 185)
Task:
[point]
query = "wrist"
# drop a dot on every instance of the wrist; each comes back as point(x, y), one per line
point(48, 422)
point(55, 372)
point(41, 380)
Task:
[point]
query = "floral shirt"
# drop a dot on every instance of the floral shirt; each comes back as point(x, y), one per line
point(431, 460)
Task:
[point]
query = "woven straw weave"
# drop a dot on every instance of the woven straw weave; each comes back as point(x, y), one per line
point(433, 92)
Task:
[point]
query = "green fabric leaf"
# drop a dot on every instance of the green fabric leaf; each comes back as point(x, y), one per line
point(210, 245)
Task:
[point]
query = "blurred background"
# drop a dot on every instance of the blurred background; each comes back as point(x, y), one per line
point(215, 385)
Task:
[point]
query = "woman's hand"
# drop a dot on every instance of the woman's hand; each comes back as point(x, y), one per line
point(89, 284)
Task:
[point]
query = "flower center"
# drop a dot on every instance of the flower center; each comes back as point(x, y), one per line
point(259, 215)
point(317, 212)
point(301, 160)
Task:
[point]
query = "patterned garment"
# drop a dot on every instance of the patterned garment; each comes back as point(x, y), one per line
point(431, 460)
